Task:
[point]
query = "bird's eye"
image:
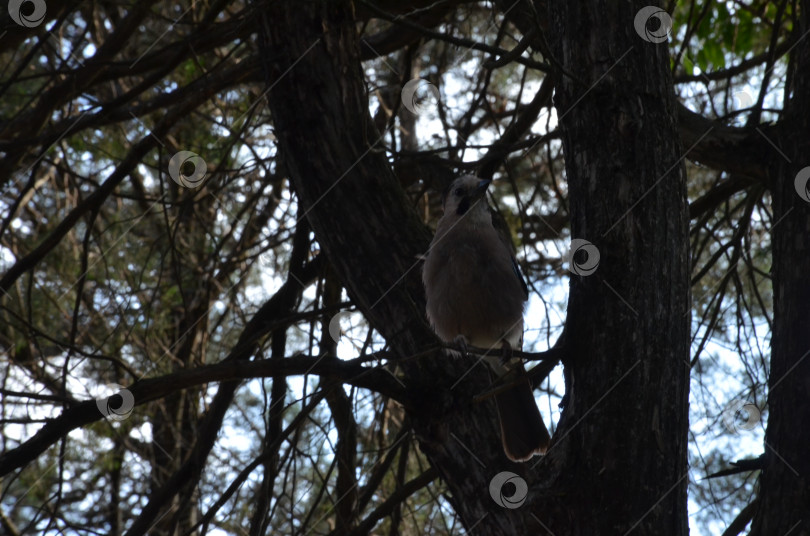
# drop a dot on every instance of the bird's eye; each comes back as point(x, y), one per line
point(458, 192)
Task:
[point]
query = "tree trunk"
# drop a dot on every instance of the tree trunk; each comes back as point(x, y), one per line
point(784, 493)
point(373, 237)
point(621, 447)
point(620, 459)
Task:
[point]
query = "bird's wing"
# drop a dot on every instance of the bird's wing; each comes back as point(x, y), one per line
point(519, 275)
point(502, 232)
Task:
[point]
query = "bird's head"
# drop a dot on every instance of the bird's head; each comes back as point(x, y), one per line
point(466, 194)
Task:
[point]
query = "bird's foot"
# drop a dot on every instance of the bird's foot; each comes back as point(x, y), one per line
point(461, 342)
point(506, 352)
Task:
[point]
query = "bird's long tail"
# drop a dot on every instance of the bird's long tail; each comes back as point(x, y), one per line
point(522, 429)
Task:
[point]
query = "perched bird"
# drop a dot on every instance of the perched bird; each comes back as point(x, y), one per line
point(476, 295)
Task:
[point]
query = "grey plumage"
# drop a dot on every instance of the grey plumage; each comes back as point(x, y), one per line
point(474, 290)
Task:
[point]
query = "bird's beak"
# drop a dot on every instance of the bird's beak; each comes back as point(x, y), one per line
point(481, 190)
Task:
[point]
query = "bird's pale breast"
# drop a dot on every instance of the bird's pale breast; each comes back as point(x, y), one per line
point(473, 291)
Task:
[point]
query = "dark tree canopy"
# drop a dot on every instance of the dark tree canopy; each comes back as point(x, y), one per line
point(213, 219)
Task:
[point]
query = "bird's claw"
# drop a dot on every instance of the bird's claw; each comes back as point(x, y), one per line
point(461, 342)
point(506, 352)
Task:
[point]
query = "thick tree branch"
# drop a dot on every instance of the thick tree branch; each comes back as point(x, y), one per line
point(740, 151)
point(397, 37)
point(349, 372)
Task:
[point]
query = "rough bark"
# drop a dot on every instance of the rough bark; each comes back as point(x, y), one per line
point(621, 447)
point(784, 494)
point(621, 459)
point(373, 237)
